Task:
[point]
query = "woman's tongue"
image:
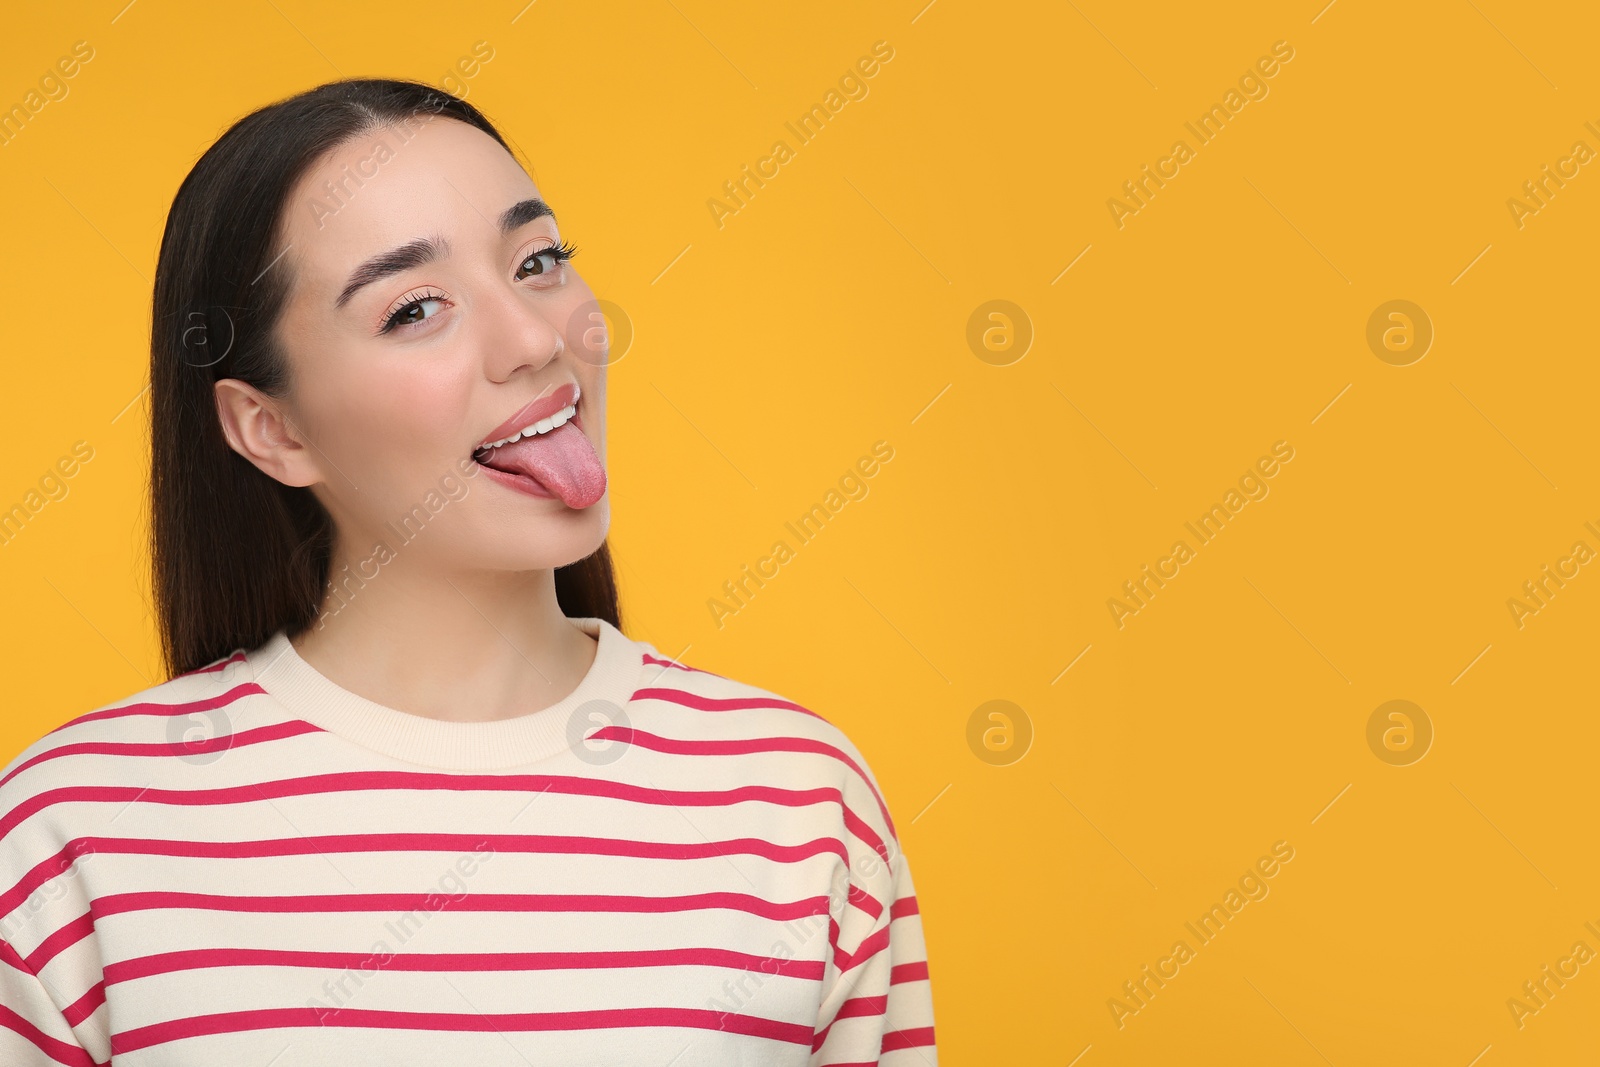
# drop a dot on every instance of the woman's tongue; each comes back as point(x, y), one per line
point(561, 460)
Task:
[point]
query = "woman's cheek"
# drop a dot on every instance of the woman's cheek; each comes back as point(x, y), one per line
point(419, 408)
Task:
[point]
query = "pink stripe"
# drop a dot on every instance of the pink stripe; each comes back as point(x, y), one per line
point(740, 747)
point(612, 1018)
point(10, 956)
point(85, 1005)
point(870, 947)
point(908, 972)
point(414, 842)
point(197, 959)
point(865, 901)
point(861, 1007)
point(58, 942)
point(917, 1037)
point(220, 743)
point(353, 781)
point(222, 700)
point(58, 1051)
point(700, 703)
point(856, 825)
point(122, 903)
point(151, 900)
point(854, 1008)
point(41, 873)
point(903, 907)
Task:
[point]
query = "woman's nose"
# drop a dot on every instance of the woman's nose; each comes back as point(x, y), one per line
point(518, 331)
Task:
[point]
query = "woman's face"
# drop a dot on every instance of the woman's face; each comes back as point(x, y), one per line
point(432, 312)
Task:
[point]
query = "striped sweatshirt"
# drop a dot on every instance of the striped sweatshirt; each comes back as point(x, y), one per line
point(248, 865)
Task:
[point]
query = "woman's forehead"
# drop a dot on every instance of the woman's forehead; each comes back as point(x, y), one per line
point(438, 178)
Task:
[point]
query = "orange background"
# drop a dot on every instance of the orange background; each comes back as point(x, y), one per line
point(831, 311)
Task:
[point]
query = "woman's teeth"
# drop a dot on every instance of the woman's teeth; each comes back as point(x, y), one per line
point(542, 426)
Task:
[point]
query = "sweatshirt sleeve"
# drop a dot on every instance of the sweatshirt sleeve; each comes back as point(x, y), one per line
point(877, 1006)
point(33, 1032)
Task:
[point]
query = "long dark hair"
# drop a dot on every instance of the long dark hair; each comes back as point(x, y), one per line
point(236, 554)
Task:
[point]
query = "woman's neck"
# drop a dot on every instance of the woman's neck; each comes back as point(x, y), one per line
point(465, 646)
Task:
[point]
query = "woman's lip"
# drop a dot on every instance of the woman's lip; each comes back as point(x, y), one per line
point(520, 483)
point(532, 412)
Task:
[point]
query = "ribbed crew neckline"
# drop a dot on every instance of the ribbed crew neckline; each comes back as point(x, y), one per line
point(612, 679)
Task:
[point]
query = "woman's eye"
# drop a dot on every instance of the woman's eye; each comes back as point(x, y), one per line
point(414, 312)
point(544, 261)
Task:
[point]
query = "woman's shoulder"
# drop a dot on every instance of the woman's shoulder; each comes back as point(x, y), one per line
point(741, 705)
point(166, 718)
point(735, 717)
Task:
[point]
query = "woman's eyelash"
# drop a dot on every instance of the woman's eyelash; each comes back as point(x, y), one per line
point(563, 252)
point(392, 319)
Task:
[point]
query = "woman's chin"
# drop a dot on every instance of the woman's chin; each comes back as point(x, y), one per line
point(555, 540)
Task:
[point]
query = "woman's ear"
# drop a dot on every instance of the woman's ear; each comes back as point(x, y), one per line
point(257, 428)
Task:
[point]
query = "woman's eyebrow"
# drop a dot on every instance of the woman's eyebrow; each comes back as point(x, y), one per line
point(524, 212)
point(411, 254)
point(426, 250)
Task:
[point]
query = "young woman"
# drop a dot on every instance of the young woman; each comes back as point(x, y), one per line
point(410, 795)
